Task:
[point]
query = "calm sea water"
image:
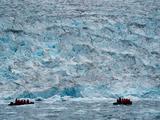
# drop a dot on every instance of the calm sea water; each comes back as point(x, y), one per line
point(82, 110)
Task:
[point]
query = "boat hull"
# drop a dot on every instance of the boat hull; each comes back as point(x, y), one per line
point(20, 104)
point(122, 103)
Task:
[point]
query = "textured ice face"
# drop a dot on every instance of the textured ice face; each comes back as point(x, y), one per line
point(80, 48)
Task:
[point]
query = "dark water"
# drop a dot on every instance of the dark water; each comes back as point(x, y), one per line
point(82, 110)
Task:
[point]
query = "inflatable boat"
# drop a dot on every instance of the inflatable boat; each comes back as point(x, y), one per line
point(123, 101)
point(20, 102)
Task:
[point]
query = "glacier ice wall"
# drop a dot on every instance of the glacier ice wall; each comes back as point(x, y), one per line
point(79, 48)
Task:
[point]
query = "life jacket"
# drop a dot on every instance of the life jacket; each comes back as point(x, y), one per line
point(18, 102)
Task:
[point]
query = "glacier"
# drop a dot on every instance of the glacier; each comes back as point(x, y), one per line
point(79, 48)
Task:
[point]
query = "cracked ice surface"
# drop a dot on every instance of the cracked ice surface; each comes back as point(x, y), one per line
point(79, 48)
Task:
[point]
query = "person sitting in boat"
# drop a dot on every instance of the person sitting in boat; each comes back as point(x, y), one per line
point(119, 100)
point(11, 103)
point(24, 102)
point(15, 100)
point(27, 101)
